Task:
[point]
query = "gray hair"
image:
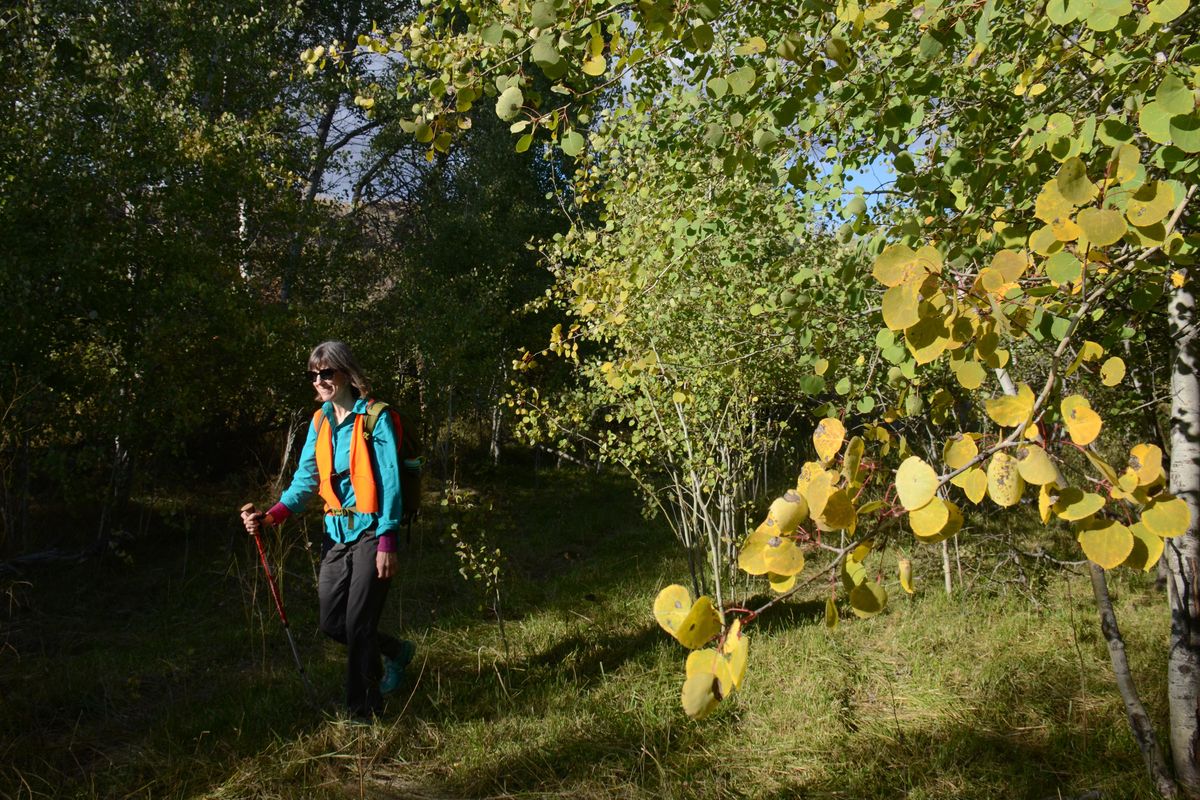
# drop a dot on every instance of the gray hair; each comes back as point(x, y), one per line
point(337, 355)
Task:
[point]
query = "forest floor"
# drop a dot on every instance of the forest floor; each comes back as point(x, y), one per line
point(164, 672)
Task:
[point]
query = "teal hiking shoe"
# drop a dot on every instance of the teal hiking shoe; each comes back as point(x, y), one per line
point(393, 668)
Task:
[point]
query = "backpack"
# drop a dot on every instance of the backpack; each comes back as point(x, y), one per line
point(408, 448)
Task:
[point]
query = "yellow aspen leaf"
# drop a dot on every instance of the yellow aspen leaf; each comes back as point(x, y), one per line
point(831, 614)
point(1066, 229)
point(868, 599)
point(701, 624)
point(1177, 279)
point(973, 482)
point(737, 651)
point(969, 374)
point(1075, 504)
point(1147, 548)
point(807, 472)
point(595, 66)
point(783, 556)
point(953, 524)
point(1105, 542)
point(929, 519)
point(1009, 411)
point(1167, 516)
point(1004, 482)
point(1103, 466)
point(1010, 264)
point(916, 483)
point(838, 513)
point(1047, 496)
point(817, 493)
point(1150, 204)
point(702, 690)
point(959, 450)
point(905, 569)
point(828, 438)
point(927, 339)
point(1145, 460)
point(671, 607)
point(1083, 424)
point(1050, 203)
point(895, 265)
point(752, 558)
point(860, 553)
point(1102, 227)
point(1090, 351)
point(787, 513)
point(900, 306)
point(1044, 242)
point(781, 583)
point(1035, 466)
point(1112, 371)
point(1073, 182)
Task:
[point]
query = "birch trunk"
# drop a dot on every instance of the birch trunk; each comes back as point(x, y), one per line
point(1181, 555)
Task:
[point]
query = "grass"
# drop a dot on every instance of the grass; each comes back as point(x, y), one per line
point(169, 677)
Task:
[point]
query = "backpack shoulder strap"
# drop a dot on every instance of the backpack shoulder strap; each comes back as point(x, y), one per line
point(374, 409)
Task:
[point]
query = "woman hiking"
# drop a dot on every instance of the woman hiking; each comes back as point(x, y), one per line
point(358, 477)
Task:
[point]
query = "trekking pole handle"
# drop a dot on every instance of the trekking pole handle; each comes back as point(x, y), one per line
point(262, 556)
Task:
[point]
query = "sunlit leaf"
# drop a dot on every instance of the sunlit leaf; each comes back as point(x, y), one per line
point(916, 483)
point(1105, 542)
point(959, 450)
point(1075, 504)
point(787, 513)
point(1083, 424)
point(1112, 371)
point(828, 438)
point(1167, 516)
point(1009, 411)
point(1145, 460)
point(1004, 482)
point(1035, 466)
point(1147, 548)
point(905, 569)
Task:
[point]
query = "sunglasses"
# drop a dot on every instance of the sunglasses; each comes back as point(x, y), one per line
point(324, 374)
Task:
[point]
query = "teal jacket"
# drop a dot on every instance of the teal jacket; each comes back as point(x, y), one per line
point(384, 462)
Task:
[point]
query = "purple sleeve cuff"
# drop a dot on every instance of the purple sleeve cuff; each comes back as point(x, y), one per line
point(386, 543)
point(279, 512)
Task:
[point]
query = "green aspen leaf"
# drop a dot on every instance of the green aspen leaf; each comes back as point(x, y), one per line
point(1155, 121)
point(524, 142)
point(1114, 132)
point(856, 207)
point(1060, 125)
point(812, 384)
point(751, 47)
point(842, 387)
point(542, 15)
point(1102, 226)
point(1064, 268)
point(791, 47)
point(714, 135)
point(1150, 204)
point(1175, 96)
point(1185, 133)
point(865, 405)
point(546, 56)
point(424, 133)
point(1044, 242)
point(1073, 182)
point(1062, 12)
point(702, 38)
point(1105, 14)
point(717, 87)
point(1164, 11)
point(1107, 543)
point(764, 139)
point(741, 80)
point(572, 143)
point(831, 614)
point(509, 103)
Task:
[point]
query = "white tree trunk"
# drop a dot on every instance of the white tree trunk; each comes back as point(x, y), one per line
point(1183, 564)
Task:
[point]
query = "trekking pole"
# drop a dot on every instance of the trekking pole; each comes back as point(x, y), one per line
point(262, 556)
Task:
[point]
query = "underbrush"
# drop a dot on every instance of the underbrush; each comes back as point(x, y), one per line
point(166, 675)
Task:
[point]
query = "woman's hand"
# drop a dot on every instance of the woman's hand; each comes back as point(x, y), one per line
point(386, 565)
point(253, 519)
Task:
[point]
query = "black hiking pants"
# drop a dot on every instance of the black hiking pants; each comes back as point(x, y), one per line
point(352, 598)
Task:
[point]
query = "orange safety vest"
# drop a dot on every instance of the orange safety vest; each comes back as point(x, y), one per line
point(362, 478)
